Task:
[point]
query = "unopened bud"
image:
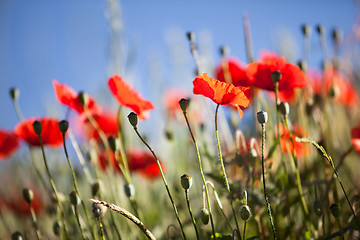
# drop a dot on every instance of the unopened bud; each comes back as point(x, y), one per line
point(186, 181)
point(14, 93)
point(63, 126)
point(184, 103)
point(284, 108)
point(95, 188)
point(204, 216)
point(98, 210)
point(320, 29)
point(334, 91)
point(337, 36)
point(28, 195)
point(317, 207)
point(129, 190)
point(113, 143)
point(224, 51)
point(74, 198)
point(303, 66)
point(37, 127)
point(306, 30)
point(245, 212)
point(133, 119)
point(56, 228)
point(276, 76)
point(83, 98)
point(334, 209)
point(191, 36)
point(262, 117)
point(16, 236)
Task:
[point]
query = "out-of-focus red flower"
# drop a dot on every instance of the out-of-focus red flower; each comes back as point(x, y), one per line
point(19, 206)
point(222, 93)
point(236, 71)
point(355, 138)
point(67, 96)
point(8, 143)
point(344, 92)
point(171, 101)
point(259, 73)
point(286, 141)
point(106, 121)
point(127, 96)
point(50, 135)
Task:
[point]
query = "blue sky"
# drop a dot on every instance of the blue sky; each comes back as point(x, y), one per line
point(69, 41)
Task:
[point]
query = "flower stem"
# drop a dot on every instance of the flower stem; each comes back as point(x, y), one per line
point(223, 168)
point(78, 222)
point(101, 230)
point(264, 182)
point(35, 223)
point(201, 173)
point(190, 212)
point(164, 180)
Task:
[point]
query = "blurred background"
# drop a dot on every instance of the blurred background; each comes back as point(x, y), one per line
point(82, 43)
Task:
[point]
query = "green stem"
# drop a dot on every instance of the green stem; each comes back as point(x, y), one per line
point(35, 223)
point(190, 212)
point(223, 168)
point(78, 222)
point(163, 179)
point(202, 174)
point(101, 230)
point(244, 230)
point(264, 182)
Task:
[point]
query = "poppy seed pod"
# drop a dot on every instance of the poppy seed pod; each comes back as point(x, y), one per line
point(16, 236)
point(186, 181)
point(276, 76)
point(74, 198)
point(284, 108)
point(14, 93)
point(129, 190)
point(56, 228)
point(98, 210)
point(28, 195)
point(37, 127)
point(334, 209)
point(63, 126)
point(317, 207)
point(133, 119)
point(245, 212)
point(262, 117)
point(95, 187)
point(204, 216)
point(306, 30)
point(184, 103)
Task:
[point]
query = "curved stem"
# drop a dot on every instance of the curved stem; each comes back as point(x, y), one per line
point(223, 168)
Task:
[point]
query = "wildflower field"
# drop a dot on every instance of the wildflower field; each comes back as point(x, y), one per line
point(263, 149)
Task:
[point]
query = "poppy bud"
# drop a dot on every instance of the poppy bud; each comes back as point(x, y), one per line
point(37, 127)
point(303, 66)
point(133, 119)
point(63, 126)
point(204, 216)
point(169, 134)
point(191, 36)
point(186, 181)
point(16, 236)
point(129, 190)
point(334, 91)
point(337, 36)
point(28, 195)
point(284, 108)
point(334, 209)
point(317, 207)
point(83, 98)
point(306, 30)
point(112, 143)
point(224, 51)
point(276, 76)
point(184, 103)
point(262, 117)
point(98, 210)
point(56, 228)
point(245, 212)
point(14, 93)
point(74, 198)
point(95, 187)
point(320, 29)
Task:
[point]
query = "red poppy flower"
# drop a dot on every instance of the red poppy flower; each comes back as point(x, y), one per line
point(222, 93)
point(106, 121)
point(343, 90)
point(127, 96)
point(50, 135)
point(355, 138)
point(8, 143)
point(286, 141)
point(236, 72)
point(67, 96)
point(259, 73)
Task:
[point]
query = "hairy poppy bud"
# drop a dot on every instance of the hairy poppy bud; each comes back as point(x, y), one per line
point(186, 181)
point(204, 216)
point(262, 117)
point(95, 187)
point(28, 195)
point(284, 108)
point(74, 198)
point(184, 103)
point(83, 98)
point(129, 190)
point(98, 210)
point(276, 76)
point(14, 93)
point(334, 209)
point(113, 143)
point(245, 212)
point(56, 228)
point(320, 29)
point(63, 126)
point(37, 127)
point(303, 66)
point(133, 119)
point(16, 236)
point(317, 207)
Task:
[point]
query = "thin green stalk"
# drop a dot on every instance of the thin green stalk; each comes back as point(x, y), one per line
point(322, 150)
point(35, 223)
point(244, 232)
point(340, 227)
point(79, 224)
point(101, 230)
point(164, 180)
point(52, 184)
point(190, 212)
point(264, 182)
point(223, 168)
point(201, 173)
